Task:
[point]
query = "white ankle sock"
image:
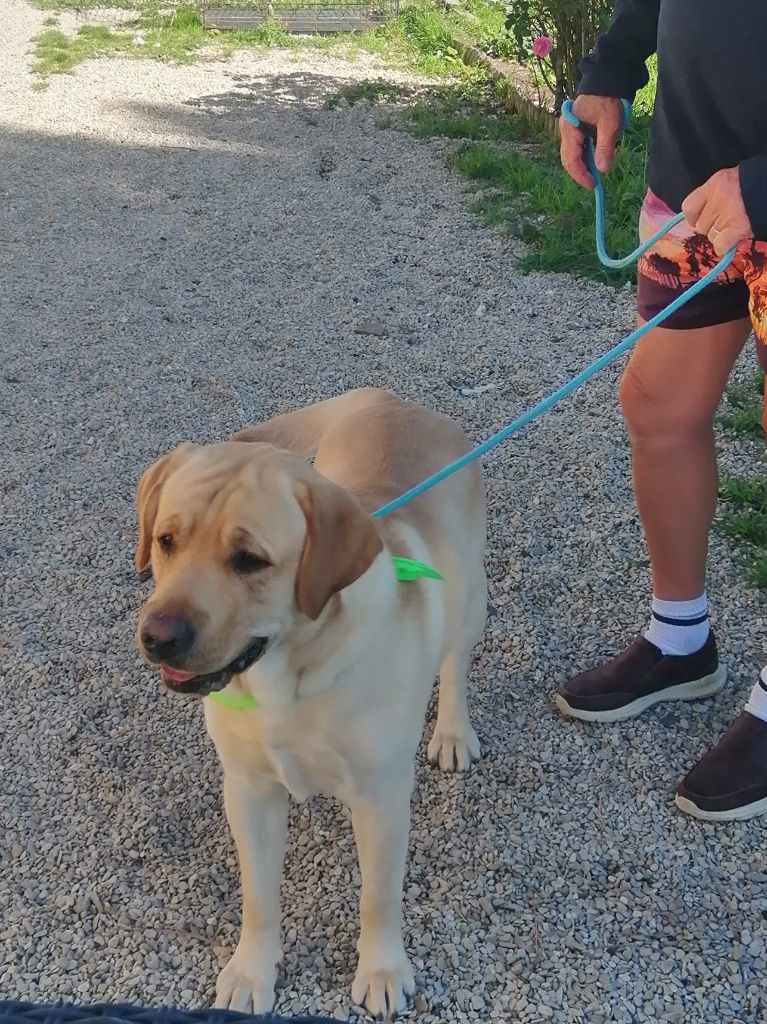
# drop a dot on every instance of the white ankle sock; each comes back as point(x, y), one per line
point(679, 627)
point(757, 702)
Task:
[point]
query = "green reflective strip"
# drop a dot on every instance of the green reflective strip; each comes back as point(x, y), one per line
point(236, 701)
point(407, 569)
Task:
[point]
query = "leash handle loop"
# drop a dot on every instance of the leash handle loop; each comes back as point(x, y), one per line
point(599, 197)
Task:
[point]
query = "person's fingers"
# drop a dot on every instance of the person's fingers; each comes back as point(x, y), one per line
point(723, 239)
point(604, 152)
point(693, 205)
point(706, 218)
point(571, 155)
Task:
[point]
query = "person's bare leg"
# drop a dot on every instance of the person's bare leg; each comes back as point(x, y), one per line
point(669, 394)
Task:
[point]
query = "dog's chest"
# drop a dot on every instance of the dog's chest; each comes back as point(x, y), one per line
point(310, 770)
point(303, 759)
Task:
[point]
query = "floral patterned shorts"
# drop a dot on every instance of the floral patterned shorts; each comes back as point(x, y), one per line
point(682, 257)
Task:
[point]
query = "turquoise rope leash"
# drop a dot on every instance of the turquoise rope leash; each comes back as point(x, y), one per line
point(599, 364)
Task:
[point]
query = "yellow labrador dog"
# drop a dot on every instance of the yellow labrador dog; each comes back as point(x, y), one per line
point(274, 583)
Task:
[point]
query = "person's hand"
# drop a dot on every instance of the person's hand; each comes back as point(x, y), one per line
point(605, 113)
point(716, 209)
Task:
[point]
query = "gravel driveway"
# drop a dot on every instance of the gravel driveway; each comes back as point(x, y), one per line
point(187, 250)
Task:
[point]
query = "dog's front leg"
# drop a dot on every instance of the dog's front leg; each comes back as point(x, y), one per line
point(384, 976)
point(257, 812)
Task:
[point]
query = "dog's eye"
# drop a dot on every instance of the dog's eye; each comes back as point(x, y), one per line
point(166, 543)
point(244, 562)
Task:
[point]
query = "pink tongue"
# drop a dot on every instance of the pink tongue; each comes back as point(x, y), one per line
point(174, 675)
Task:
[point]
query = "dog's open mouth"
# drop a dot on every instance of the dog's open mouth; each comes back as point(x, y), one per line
point(212, 682)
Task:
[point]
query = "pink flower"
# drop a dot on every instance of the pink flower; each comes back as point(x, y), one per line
point(542, 46)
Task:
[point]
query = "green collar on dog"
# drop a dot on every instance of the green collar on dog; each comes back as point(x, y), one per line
point(405, 569)
point(235, 701)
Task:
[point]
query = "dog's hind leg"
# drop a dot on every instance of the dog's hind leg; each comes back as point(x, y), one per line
point(454, 745)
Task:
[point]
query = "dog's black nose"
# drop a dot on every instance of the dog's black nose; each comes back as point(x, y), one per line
point(167, 637)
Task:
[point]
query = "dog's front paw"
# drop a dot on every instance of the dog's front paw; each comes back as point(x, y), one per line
point(454, 747)
point(382, 985)
point(247, 982)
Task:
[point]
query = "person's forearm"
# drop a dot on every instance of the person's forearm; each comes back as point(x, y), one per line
point(753, 188)
point(617, 65)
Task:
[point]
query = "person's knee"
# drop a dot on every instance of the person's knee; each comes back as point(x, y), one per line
point(661, 410)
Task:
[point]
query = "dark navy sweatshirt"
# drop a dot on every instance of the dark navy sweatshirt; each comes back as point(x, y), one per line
point(711, 103)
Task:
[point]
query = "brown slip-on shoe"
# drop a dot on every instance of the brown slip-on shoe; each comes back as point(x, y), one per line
point(729, 783)
point(639, 677)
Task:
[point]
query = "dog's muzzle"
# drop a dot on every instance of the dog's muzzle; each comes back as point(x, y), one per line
point(212, 682)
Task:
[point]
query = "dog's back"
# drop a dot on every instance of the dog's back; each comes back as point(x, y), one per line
point(378, 446)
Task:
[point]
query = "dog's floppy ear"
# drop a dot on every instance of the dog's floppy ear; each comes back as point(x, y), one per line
point(341, 544)
point(148, 499)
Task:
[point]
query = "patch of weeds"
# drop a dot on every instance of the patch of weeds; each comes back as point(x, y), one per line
point(429, 33)
point(58, 53)
point(742, 513)
point(168, 35)
point(747, 504)
point(85, 5)
point(743, 518)
point(742, 411)
point(532, 197)
point(482, 164)
point(470, 110)
point(51, 22)
point(173, 37)
point(270, 33)
point(645, 98)
point(758, 571)
point(367, 92)
point(417, 40)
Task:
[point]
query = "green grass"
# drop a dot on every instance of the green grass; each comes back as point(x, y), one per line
point(57, 53)
point(645, 98)
point(416, 40)
point(374, 91)
point(742, 411)
point(743, 502)
point(747, 501)
point(84, 5)
point(523, 190)
point(469, 110)
point(743, 518)
point(173, 35)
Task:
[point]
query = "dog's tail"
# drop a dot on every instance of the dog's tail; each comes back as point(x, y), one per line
point(302, 431)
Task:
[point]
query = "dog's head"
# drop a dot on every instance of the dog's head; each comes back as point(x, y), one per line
point(244, 541)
